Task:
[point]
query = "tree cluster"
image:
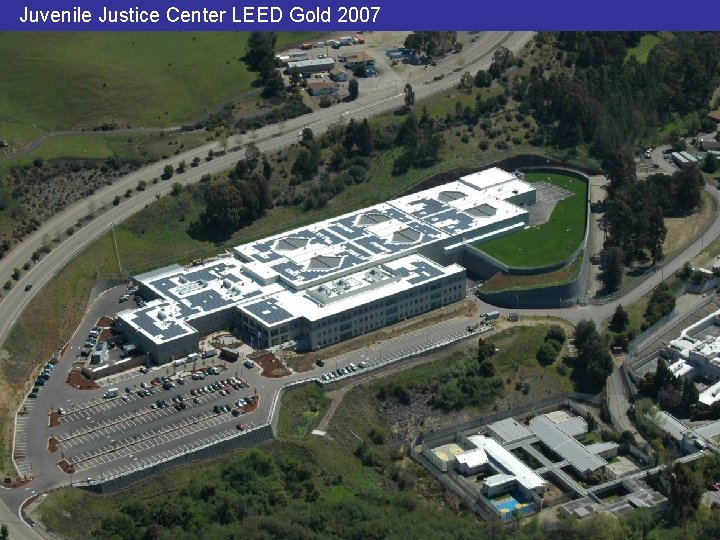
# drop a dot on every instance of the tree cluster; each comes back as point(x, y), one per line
point(432, 44)
point(675, 394)
point(231, 205)
point(548, 351)
point(662, 302)
point(592, 363)
point(421, 142)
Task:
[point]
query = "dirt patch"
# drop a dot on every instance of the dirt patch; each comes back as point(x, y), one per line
point(681, 229)
point(272, 368)
point(255, 403)
point(18, 482)
point(53, 444)
point(77, 380)
point(66, 466)
point(105, 321)
point(54, 419)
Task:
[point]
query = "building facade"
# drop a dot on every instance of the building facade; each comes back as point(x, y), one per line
point(337, 279)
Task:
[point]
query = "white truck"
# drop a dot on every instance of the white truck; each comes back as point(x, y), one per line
point(111, 393)
point(345, 41)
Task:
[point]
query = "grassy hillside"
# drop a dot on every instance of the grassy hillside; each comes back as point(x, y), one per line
point(59, 81)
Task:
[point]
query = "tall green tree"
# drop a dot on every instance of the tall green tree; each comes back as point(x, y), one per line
point(353, 89)
point(259, 49)
point(619, 320)
point(612, 269)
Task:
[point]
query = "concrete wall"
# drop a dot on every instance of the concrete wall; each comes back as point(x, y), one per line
point(546, 297)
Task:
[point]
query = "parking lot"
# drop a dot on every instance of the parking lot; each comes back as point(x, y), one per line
point(139, 417)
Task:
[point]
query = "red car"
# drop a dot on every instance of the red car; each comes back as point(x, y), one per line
point(241, 427)
point(714, 487)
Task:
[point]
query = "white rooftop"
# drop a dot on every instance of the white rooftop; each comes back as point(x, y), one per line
point(557, 437)
point(443, 214)
point(509, 430)
point(472, 458)
point(506, 463)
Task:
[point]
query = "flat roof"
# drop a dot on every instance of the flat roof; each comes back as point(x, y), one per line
point(472, 458)
point(671, 425)
point(310, 255)
point(510, 430)
point(563, 444)
point(323, 62)
point(506, 463)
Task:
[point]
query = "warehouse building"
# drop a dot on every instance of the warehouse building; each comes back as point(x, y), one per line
point(306, 67)
point(333, 280)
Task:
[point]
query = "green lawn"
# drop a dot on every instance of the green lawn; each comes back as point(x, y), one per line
point(552, 241)
point(62, 81)
point(642, 51)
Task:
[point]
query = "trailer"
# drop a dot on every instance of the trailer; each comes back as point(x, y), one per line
point(490, 315)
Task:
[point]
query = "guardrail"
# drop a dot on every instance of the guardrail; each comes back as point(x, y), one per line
point(266, 431)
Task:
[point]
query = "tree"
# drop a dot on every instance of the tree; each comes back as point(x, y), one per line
point(483, 79)
point(466, 81)
point(16, 274)
point(409, 96)
point(176, 189)
point(273, 84)
point(687, 189)
point(4, 532)
point(353, 89)
point(619, 167)
point(710, 163)
point(612, 269)
point(487, 368)
point(555, 333)
point(593, 360)
point(690, 394)
point(503, 58)
point(686, 272)
point(686, 490)
point(294, 76)
point(259, 49)
point(168, 172)
point(619, 320)
point(485, 350)
point(252, 154)
point(431, 43)
point(182, 166)
point(546, 354)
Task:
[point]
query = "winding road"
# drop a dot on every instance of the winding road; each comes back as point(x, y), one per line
point(477, 55)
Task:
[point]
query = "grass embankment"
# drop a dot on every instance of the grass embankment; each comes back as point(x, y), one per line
point(356, 477)
point(508, 282)
point(552, 241)
point(302, 408)
point(59, 81)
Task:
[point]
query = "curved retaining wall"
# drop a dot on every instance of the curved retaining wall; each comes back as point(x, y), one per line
point(482, 265)
point(554, 296)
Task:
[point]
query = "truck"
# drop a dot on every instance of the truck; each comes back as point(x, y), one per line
point(490, 315)
point(192, 357)
point(319, 44)
point(346, 40)
point(305, 46)
point(111, 393)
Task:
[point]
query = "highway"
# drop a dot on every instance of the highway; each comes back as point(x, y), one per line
point(477, 55)
point(268, 139)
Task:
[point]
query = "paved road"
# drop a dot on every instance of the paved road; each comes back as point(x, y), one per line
point(270, 138)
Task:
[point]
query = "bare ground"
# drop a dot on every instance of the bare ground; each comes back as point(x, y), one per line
point(681, 229)
point(419, 415)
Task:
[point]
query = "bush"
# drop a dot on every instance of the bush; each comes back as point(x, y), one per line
point(116, 200)
point(546, 354)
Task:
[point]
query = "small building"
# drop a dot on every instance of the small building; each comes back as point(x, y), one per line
point(683, 159)
point(338, 75)
point(360, 58)
point(714, 116)
point(321, 88)
point(100, 354)
point(317, 65)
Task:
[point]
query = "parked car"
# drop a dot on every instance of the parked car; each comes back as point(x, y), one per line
point(241, 427)
point(28, 287)
point(128, 390)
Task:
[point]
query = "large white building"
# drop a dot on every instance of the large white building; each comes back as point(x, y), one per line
point(696, 354)
point(336, 279)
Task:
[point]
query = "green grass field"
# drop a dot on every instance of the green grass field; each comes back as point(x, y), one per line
point(59, 81)
point(642, 51)
point(552, 241)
